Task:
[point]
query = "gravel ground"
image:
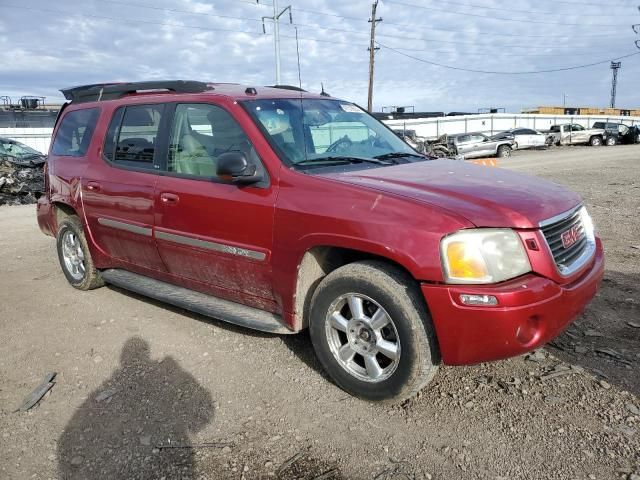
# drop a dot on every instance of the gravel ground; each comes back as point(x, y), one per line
point(147, 391)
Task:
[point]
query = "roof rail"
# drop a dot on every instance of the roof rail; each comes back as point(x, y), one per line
point(109, 91)
point(288, 87)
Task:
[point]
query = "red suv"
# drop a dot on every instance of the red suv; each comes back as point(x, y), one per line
point(280, 210)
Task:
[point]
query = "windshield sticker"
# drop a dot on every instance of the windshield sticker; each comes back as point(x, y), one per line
point(347, 107)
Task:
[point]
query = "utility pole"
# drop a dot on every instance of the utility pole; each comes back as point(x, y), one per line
point(615, 66)
point(372, 52)
point(276, 33)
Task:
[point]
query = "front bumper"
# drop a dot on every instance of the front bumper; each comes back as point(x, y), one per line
point(531, 311)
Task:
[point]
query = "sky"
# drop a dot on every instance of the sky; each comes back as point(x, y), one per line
point(45, 46)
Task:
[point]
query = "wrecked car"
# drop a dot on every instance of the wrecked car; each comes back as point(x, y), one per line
point(478, 145)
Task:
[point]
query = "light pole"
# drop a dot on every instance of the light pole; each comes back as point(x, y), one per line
point(564, 100)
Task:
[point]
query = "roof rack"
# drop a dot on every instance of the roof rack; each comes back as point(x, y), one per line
point(109, 91)
point(288, 87)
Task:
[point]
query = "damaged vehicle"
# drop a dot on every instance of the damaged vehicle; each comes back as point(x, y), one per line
point(21, 173)
point(619, 132)
point(478, 145)
point(574, 134)
point(437, 148)
point(282, 210)
point(19, 153)
point(523, 138)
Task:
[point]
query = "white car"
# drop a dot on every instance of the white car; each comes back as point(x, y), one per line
point(524, 138)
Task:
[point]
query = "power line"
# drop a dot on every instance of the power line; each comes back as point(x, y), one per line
point(531, 72)
point(504, 19)
point(316, 12)
point(529, 12)
point(260, 34)
point(455, 42)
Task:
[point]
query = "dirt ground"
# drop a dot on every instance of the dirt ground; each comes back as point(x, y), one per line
point(146, 391)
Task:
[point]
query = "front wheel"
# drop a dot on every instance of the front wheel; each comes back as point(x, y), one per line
point(504, 151)
point(75, 257)
point(595, 141)
point(372, 333)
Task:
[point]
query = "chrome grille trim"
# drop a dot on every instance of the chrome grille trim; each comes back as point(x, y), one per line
point(568, 260)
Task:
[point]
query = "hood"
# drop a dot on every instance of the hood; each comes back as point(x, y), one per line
point(486, 197)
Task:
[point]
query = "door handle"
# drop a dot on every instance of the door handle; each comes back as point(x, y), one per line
point(93, 187)
point(169, 198)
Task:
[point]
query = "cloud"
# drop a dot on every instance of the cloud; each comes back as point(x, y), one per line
point(45, 46)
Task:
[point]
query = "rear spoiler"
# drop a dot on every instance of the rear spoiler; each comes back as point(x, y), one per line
point(108, 91)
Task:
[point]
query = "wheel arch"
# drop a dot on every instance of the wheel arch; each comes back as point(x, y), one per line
point(61, 211)
point(317, 262)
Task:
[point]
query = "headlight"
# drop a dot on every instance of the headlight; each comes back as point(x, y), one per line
point(483, 255)
point(587, 223)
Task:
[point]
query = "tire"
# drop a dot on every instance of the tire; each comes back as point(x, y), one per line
point(504, 151)
point(611, 141)
point(595, 141)
point(75, 257)
point(382, 293)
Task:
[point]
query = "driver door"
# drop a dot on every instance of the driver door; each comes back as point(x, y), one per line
point(211, 233)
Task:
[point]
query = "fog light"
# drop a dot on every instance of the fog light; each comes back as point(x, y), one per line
point(486, 300)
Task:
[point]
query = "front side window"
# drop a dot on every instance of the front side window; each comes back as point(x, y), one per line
point(132, 136)
point(318, 132)
point(199, 135)
point(74, 134)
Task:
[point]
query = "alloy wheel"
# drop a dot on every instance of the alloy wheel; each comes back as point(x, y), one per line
point(73, 255)
point(362, 337)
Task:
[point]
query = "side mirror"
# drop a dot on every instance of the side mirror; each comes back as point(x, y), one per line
point(234, 166)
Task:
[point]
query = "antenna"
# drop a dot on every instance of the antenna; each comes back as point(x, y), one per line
point(298, 54)
point(615, 66)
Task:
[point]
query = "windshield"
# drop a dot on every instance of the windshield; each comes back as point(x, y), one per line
point(308, 132)
point(15, 149)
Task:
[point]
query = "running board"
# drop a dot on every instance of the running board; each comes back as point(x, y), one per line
point(197, 302)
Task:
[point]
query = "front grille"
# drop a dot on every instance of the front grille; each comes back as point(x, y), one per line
point(565, 257)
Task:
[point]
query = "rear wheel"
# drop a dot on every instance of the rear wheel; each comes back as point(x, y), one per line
point(372, 333)
point(504, 151)
point(611, 141)
point(595, 141)
point(75, 257)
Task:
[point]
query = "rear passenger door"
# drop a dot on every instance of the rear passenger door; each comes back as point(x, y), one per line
point(214, 235)
point(118, 188)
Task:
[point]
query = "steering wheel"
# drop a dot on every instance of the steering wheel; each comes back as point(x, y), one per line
point(340, 144)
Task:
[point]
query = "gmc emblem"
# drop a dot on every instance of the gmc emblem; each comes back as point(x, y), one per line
point(571, 236)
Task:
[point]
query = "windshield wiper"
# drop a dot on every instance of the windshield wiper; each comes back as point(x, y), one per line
point(342, 159)
point(393, 155)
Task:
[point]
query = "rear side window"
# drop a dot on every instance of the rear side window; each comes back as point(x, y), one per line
point(74, 134)
point(132, 136)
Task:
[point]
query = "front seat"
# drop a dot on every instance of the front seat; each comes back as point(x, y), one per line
point(191, 158)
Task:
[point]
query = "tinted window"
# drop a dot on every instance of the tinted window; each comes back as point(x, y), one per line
point(555, 128)
point(133, 135)
point(74, 134)
point(464, 138)
point(199, 135)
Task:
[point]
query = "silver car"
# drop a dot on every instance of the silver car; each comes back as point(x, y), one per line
point(523, 138)
point(476, 145)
